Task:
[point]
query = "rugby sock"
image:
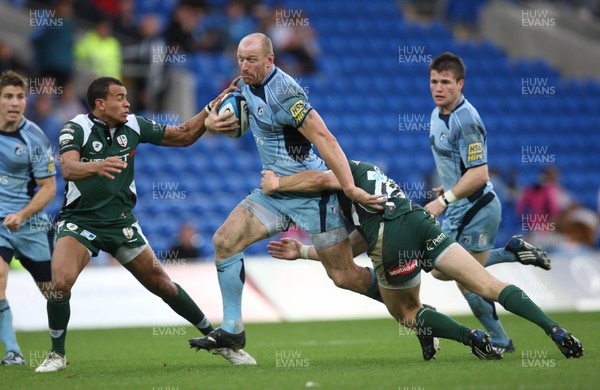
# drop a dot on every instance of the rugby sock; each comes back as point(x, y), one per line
point(7, 332)
point(59, 312)
point(373, 290)
point(485, 312)
point(513, 299)
point(183, 305)
point(434, 323)
point(500, 255)
point(231, 276)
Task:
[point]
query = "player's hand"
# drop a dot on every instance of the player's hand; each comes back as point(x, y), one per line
point(285, 249)
point(438, 190)
point(269, 183)
point(13, 222)
point(374, 202)
point(110, 166)
point(222, 124)
point(435, 207)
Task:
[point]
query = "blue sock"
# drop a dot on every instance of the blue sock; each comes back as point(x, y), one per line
point(231, 276)
point(485, 312)
point(500, 255)
point(7, 332)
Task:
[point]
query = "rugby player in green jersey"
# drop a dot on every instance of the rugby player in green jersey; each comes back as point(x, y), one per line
point(401, 241)
point(97, 155)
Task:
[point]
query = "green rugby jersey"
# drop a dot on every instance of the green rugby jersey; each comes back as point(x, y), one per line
point(98, 200)
point(371, 179)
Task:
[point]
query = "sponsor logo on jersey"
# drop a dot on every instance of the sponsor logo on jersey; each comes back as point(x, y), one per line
point(299, 110)
point(483, 237)
point(404, 269)
point(65, 139)
point(72, 226)
point(96, 145)
point(432, 244)
point(19, 149)
point(475, 152)
point(122, 140)
point(87, 234)
point(51, 167)
point(128, 232)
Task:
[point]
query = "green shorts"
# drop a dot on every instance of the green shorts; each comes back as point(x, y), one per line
point(406, 245)
point(124, 242)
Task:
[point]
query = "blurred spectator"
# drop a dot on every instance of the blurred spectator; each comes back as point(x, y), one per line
point(580, 226)
point(53, 46)
point(239, 23)
point(545, 198)
point(188, 245)
point(42, 113)
point(293, 39)
point(181, 29)
point(99, 51)
point(69, 104)
point(124, 25)
point(8, 60)
point(150, 56)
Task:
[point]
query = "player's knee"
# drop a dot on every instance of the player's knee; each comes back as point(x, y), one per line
point(223, 244)
point(344, 280)
point(59, 288)
point(439, 275)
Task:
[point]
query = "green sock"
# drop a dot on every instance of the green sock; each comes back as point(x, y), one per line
point(59, 312)
point(431, 322)
point(513, 299)
point(187, 308)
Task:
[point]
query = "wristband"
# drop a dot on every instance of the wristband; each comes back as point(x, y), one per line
point(449, 197)
point(443, 200)
point(304, 251)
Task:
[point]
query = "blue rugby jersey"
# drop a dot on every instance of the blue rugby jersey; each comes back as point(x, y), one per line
point(25, 155)
point(277, 107)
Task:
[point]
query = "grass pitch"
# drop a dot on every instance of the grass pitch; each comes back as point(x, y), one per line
point(366, 354)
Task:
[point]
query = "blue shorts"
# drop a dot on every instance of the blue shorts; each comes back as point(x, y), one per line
point(318, 214)
point(32, 244)
point(476, 228)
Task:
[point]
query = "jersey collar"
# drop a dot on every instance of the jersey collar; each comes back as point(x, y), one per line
point(97, 121)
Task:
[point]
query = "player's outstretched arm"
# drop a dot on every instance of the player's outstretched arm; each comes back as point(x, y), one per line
point(189, 132)
point(73, 169)
point(291, 249)
point(307, 181)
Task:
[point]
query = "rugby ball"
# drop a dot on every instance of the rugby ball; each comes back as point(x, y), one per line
point(236, 102)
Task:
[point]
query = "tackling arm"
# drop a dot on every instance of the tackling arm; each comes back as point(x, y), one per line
point(44, 195)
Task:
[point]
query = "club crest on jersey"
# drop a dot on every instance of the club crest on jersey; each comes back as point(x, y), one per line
point(19, 149)
point(128, 232)
point(96, 145)
point(442, 137)
point(72, 226)
point(122, 140)
point(261, 110)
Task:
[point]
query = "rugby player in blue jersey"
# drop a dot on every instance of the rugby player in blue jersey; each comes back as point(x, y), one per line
point(285, 127)
point(27, 185)
point(473, 212)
